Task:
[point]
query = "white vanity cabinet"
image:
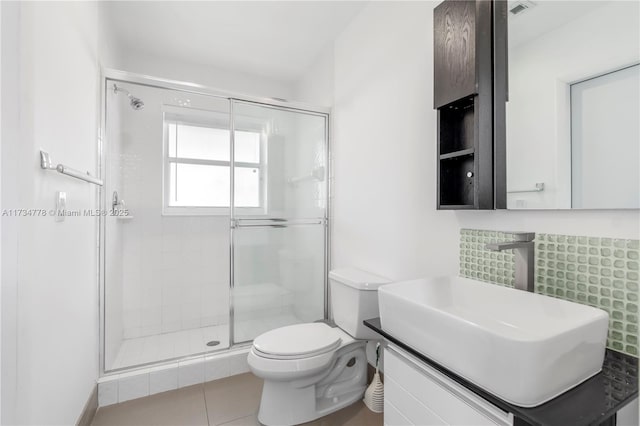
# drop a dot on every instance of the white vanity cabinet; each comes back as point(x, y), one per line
point(629, 415)
point(416, 394)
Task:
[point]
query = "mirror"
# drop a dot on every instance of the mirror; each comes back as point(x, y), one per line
point(573, 138)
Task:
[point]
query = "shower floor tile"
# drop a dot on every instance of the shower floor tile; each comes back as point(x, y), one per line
point(178, 344)
point(148, 349)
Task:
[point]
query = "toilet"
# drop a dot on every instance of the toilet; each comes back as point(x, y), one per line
point(311, 370)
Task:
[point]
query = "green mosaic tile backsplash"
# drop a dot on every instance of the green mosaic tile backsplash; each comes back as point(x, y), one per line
point(600, 272)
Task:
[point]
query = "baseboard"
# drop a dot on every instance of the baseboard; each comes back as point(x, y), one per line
point(90, 408)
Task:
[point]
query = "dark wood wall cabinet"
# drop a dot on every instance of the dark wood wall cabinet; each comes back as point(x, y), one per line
point(470, 91)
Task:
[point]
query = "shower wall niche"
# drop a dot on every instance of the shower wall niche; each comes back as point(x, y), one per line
point(185, 271)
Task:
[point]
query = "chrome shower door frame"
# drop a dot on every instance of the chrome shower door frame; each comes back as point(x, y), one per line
point(112, 75)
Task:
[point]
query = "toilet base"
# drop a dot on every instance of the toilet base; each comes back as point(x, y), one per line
point(307, 399)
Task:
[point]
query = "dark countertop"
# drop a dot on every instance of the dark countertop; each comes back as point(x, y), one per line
point(593, 402)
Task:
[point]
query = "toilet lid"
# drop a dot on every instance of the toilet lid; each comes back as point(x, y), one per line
point(300, 340)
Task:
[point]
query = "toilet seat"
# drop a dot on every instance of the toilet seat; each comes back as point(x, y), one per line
point(298, 341)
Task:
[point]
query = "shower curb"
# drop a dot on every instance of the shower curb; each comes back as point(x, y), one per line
point(138, 383)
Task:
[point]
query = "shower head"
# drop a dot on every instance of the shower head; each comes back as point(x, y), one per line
point(136, 103)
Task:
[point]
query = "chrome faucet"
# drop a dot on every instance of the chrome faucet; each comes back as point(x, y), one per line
point(523, 247)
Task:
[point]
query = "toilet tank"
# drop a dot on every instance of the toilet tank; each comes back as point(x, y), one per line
point(354, 298)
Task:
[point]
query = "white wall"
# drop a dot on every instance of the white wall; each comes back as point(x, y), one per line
point(49, 287)
point(316, 85)
point(219, 78)
point(384, 145)
point(384, 216)
point(540, 74)
point(9, 193)
point(109, 47)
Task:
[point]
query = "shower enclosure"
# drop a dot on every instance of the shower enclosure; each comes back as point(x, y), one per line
point(216, 228)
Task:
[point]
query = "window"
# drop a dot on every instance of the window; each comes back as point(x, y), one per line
point(197, 165)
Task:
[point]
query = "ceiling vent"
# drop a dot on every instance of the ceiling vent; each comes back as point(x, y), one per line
point(519, 7)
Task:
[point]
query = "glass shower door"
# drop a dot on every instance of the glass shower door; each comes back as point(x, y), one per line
point(278, 218)
point(166, 262)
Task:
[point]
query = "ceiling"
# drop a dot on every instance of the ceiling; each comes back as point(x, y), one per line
point(276, 39)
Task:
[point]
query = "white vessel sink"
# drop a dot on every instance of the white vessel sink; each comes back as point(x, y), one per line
point(522, 347)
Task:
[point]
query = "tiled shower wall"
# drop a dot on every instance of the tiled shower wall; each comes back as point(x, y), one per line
point(600, 272)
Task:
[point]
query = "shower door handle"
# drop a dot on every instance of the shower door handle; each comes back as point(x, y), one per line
point(274, 223)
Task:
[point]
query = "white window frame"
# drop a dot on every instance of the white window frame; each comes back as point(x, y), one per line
point(210, 122)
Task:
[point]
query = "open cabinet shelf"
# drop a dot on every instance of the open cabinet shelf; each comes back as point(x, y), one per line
point(457, 182)
point(457, 128)
point(456, 154)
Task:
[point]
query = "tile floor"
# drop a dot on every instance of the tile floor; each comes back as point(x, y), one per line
point(232, 401)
